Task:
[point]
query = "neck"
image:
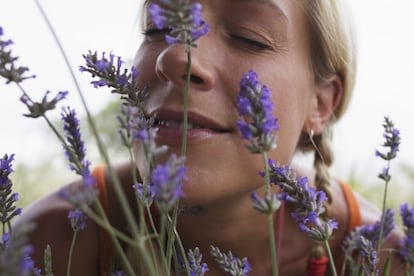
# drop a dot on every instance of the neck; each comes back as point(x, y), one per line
point(229, 225)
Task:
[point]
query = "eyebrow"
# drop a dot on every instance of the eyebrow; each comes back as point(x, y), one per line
point(268, 3)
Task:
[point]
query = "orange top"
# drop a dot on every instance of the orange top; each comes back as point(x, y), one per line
point(106, 251)
point(106, 257)
point(353, 206)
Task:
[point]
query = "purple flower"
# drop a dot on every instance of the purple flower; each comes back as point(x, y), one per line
point(14, 249)
point(145, 193)
point(407, 243)
point(369, 257)
point(392, 140)
point(266, 205)
point(147, 137)
point(75, 150)
point(5, 170)
point(352, 243)
point(110, 73)
point(15, 252)
point(257, 123)
point(197, 268)
point(133, 124)
point(372, 231)
point(182, 18)
point(38, 109)
point(8, 68)
point(158, 15)
point(8, 199)
point(229, 263)
point(77, 219)
point(309, 203)
point(167, 182)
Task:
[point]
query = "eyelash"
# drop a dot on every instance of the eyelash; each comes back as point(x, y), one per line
point(152, 31)
point(251, 42)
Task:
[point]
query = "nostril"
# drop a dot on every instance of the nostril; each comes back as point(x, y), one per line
point(194, 79)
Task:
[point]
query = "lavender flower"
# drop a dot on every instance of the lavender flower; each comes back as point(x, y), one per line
point(8, 210)
point(147, 137)
point(370, 232)
point(75, 151)
point(257, 123)
point(182, 18)
point(266, 205)
point(15, 252)
point(77, 219)
point(229, 263)
point(369, 257)
point(38, 109)
point(133, 124)
point(392, 140)
point(309, 202)
point(167, 182)
point(145, 193)
point(8, 69)
point(194, 259)
point(407, 243)
point(112, 75)
point(5, 170)
point(145, 190)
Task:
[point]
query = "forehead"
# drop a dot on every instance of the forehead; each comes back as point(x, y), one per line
point(271, 4)
point(279, 7)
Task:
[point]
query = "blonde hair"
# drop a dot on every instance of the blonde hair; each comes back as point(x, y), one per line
point(332, 45)
point(332, 54)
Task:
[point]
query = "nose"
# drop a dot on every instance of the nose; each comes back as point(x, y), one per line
point(171, 66)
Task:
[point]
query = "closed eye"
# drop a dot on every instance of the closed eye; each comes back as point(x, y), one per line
point(251, 42)
point(155, 31)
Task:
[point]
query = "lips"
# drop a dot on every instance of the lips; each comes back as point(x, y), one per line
point(170, 126)
point(174, 119)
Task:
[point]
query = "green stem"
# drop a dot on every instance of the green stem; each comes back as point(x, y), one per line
point(163, 233)
point(171, 236)
point(182, 250)
point(112, 235)
point(270, 218)
point(72, 246)
point(185, 105)
point(76, 161)
point(331, 259)
point(114, 179)
point(384, 203)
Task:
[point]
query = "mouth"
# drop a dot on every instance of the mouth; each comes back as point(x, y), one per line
point(179, 124)
point(170, 126)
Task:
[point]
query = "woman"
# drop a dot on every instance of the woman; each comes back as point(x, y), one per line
point(303, 51)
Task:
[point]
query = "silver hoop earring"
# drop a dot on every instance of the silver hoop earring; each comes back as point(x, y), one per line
point(311, 135)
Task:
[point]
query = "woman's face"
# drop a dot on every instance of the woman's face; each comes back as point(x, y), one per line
point(269, 37)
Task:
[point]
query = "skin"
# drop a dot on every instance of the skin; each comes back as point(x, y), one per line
point(271, 38)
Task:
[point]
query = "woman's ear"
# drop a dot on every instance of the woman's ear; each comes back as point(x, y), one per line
point(328, 96)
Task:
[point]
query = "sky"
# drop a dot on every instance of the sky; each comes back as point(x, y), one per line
point(384, 84)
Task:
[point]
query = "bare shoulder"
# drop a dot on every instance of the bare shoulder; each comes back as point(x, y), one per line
point(52, 227)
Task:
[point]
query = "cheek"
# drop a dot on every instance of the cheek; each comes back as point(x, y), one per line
point(144, 61)
point(291, 97)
